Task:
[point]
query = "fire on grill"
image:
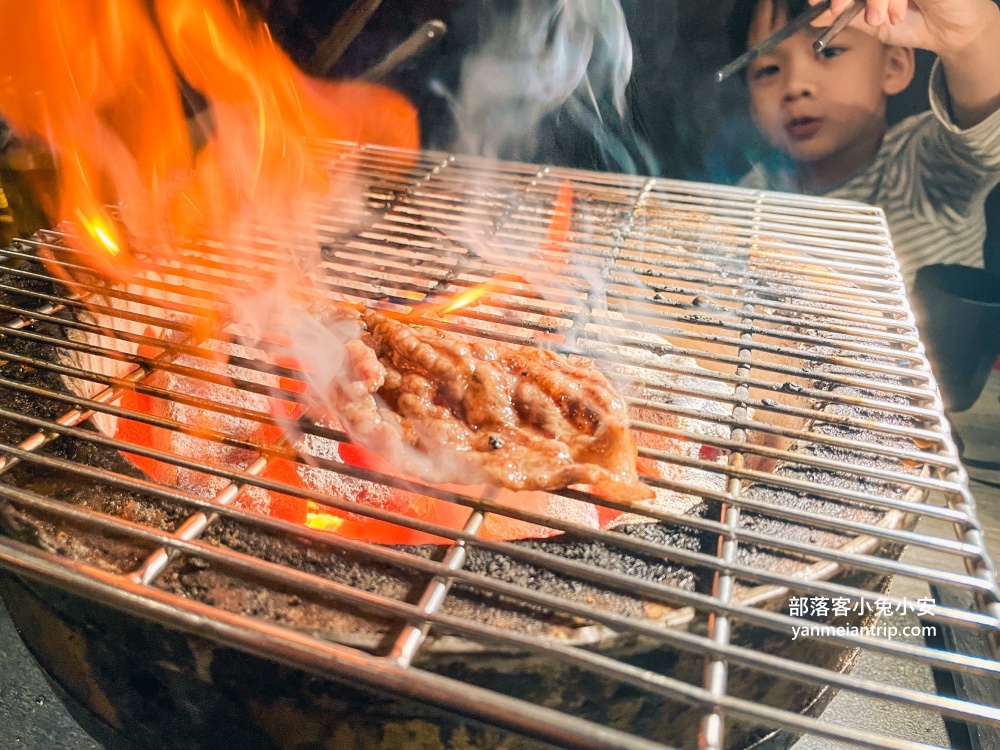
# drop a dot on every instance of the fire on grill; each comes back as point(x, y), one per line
point(748, 380)
point(202, 509)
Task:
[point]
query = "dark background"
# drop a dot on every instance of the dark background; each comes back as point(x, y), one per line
point(692, 127)
point(696, 128)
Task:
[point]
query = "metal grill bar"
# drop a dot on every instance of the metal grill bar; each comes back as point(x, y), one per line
point(781, 623)
point(192, 528)
point(254, 387)
point(763, 384)
point(546, 561)
point(696, 523)
point(639, 677)
point(411, 637)
point(717, 670)
point(322, 658)
point(769, 330)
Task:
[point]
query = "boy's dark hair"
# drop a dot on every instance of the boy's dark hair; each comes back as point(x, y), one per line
point(741, 16)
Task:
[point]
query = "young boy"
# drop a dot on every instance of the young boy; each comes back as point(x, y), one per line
point(930, 173)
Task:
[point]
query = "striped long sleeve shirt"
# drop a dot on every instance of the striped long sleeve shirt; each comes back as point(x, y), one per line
point(931, 179)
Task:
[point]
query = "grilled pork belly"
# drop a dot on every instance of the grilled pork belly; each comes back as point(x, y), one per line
point(450, 410)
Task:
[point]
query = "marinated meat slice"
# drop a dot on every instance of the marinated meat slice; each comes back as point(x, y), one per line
point(450, 410)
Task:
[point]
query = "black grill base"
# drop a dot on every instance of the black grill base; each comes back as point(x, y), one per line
point(146, 687)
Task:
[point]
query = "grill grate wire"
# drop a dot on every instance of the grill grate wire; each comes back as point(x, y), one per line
point(781, 289)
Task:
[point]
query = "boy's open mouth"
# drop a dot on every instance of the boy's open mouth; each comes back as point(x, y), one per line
point(801, 128)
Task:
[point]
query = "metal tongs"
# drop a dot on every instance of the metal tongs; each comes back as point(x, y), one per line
point(791, 29)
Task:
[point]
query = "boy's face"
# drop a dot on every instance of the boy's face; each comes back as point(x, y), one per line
point(819, 108)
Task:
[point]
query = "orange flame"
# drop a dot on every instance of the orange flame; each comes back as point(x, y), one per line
point(467, 298)
point(462, 299)
point(77, 75)
point(562, 218)
point(556, 236)
point(98, 81)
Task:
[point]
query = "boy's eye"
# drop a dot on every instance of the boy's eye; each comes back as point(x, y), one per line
point(764, 71)
point(831, 52)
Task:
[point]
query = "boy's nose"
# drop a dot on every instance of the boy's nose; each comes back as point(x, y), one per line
point(799, 83)
point(799, 90)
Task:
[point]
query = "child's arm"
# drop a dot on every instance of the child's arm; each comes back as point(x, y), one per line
point(965, 34)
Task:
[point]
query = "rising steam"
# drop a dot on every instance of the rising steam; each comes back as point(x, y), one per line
point(539, 60)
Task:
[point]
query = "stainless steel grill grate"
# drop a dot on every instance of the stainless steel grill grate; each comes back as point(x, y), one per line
point(776, 381)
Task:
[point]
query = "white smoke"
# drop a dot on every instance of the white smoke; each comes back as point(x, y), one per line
point(538, 57)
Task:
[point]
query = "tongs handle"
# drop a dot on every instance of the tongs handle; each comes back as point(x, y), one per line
point(840, 23)
point(788, 30)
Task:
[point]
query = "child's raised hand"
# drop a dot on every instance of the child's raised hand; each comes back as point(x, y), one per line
point(942, 26)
